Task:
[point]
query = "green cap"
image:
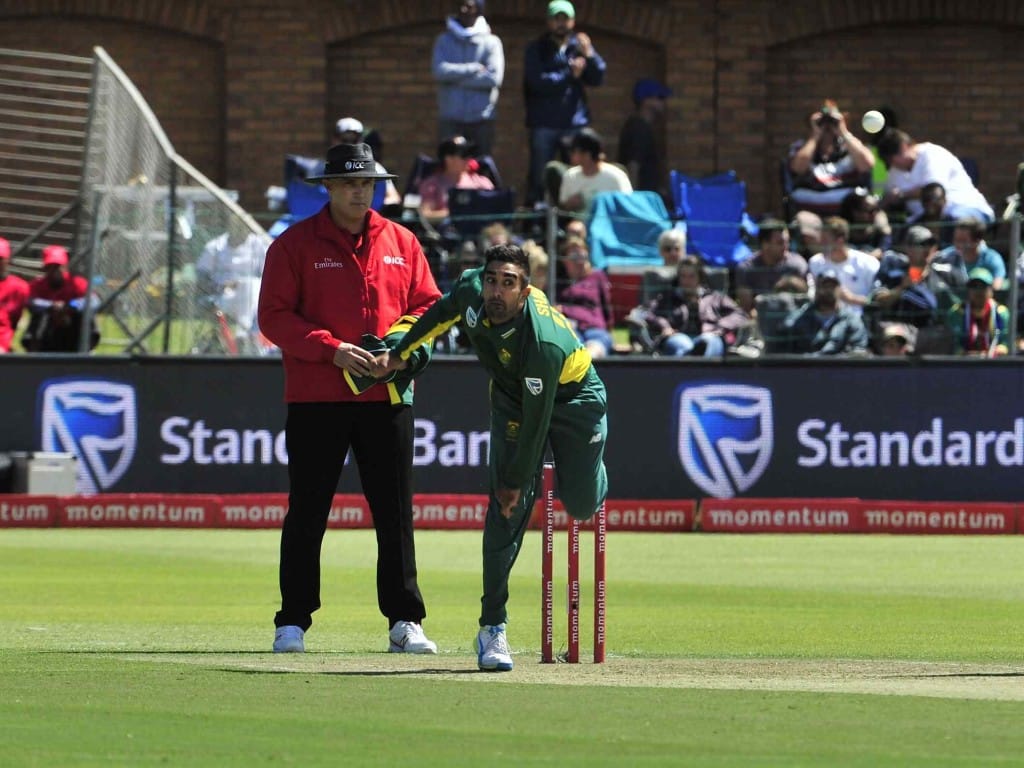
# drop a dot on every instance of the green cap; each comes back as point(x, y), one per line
point(556, 7)
point(979, 275)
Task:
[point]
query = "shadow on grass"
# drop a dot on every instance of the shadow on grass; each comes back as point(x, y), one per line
point(356, 672)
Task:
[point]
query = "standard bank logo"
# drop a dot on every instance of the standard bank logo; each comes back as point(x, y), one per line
point(95, 419)
point(725, 436)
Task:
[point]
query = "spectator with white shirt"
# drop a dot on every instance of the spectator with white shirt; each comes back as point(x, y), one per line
point(855, 269)
point(589, 173)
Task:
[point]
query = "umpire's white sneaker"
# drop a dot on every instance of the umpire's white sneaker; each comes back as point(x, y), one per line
point(408, 637)
point(492, 651)
point(288, 639)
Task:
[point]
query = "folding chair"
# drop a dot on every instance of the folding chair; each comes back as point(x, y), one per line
point(716, 219)
point(470, 210)
point(624, 228)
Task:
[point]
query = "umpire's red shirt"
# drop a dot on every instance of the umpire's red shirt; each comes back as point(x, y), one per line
point(323, 286)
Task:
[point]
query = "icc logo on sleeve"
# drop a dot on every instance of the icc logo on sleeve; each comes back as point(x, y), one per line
point(95, 419)
point(725, 435)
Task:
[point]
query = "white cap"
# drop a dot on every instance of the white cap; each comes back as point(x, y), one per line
point(348, 124)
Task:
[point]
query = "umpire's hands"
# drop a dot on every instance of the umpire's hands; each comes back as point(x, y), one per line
point(354, 359)
point(386, 363)
point(507, 500)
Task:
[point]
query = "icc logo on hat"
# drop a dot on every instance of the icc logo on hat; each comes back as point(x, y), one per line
point(725, 435)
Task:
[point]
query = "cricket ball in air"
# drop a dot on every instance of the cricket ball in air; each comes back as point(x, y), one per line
point(873, 121)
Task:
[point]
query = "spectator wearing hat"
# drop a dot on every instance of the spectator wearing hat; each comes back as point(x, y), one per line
point(558, 67)
point(913, 164)
point(856, 269)
point(55, 305)
point(469, 66)
point(826, 165)
point(13, 298)
point(825, 326)
point(589, 173)
point(979, 323)
point(456, 170)
point(640, 140)
point(349, 130)
point(897, 340)
point(969, 250)
point(337, 288)
point(912, 287)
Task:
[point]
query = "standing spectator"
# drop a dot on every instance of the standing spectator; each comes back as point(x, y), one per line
point(55, 303)
point(913, 164)
point(828, 163)
point(969, 250)
point(544, 391)
point(824, 326)
point(639, 140)
point(856, 269)
point(454, 172)
point(689, 319)
point(13, 298)
point(772, 261)
point(981, 326)
point(589, 173)
point(333, 282)
point(468, 65)
point(587, 299)
point(557, 68)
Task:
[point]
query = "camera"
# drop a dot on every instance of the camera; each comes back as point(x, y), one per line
point(829, 115)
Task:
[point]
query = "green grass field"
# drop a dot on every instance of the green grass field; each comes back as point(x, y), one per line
point(138, 648)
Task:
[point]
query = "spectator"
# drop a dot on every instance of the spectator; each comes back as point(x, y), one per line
point(229, 271)
point(468, 65)
point(980, 325)
point(689, 319)
point(828, 163)
point(639, 140)
point(913, 288)
point(494, 234)
point(587, 299)
point(825, 326)
point(576, 228)
point(856, 269)
point(671, 248)
point(913, 164)
point(933, 215)
point(540, 264)
point(453, 172)
point(55, 303)
point(805, 231)
point(869, 225)
point(13, 298)
point(589, 173)
point(772, 261)
point(557, 69)
point(969, 250)
point(348, 130)
point(897, 340)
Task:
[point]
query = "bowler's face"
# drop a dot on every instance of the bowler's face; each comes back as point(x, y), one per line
point(505, 290)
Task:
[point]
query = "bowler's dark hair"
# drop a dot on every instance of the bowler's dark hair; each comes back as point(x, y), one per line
point(509, 253)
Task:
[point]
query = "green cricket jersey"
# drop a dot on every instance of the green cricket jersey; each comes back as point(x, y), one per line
point(535, 360)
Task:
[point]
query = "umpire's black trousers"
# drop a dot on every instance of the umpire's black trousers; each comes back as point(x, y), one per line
point(317, 437)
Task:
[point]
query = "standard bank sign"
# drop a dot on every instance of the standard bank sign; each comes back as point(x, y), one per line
point(95, 419)
point(724, 435)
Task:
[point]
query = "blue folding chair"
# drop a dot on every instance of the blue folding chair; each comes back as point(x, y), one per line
point(678, 178)
point(716, 218)
point(624, 228)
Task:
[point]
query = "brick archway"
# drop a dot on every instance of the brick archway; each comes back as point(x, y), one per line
point(191, 17)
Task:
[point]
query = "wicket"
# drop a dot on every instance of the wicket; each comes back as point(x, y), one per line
point(573, 586)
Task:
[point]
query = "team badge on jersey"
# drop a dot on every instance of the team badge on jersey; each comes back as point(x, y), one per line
point(512, 430)
point(471, 317)
point(505, 356)
point(534, 386)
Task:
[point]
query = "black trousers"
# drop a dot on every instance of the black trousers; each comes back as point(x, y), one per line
point(317, 437)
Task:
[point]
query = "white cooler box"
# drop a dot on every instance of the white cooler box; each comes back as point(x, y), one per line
point(43, 473)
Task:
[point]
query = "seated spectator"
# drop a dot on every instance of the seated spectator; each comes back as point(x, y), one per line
point(56, 301)
point(229, 271)
point(455, 341)
point(912, 288)
point(772, 307)
point(805, 233)
point(969, 250)
point(494, 234)
point(586, 301)
point(639, 144)
point(540, 265)
point(456, 170)
point(13, 298)
point(589, 173)
point(980, 325)
point(689, 319)
point(828, 163)
point(772, 261)
point(671, 248)
point(576, 228)
point(913, 164)
point(869, 226)
point(897, 340)
point(933, 215)
point(856, 269)
point(825, 326)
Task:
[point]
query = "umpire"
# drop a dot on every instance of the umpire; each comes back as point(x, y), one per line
point(338, 287)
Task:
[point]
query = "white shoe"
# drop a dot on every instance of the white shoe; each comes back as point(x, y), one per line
point(408, 637)
point(288, 639)
point(492, 651)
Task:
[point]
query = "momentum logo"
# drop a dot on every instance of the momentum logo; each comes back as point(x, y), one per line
point(724, 436)
point(95, 419)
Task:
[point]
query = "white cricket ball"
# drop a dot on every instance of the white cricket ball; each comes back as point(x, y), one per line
point(873, 121)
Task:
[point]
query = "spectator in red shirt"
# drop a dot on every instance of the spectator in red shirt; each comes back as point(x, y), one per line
point(457, 170)
point(13, 298)
point(55, 301)
point(338, 287)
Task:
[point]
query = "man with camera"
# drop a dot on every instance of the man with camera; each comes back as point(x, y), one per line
point(827, 164)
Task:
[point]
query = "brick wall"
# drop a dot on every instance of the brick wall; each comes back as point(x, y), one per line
point(239, 83)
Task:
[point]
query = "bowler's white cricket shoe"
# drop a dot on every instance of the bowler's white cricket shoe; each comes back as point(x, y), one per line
point(288, 639)
point(408, 637)
point(492, 651)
